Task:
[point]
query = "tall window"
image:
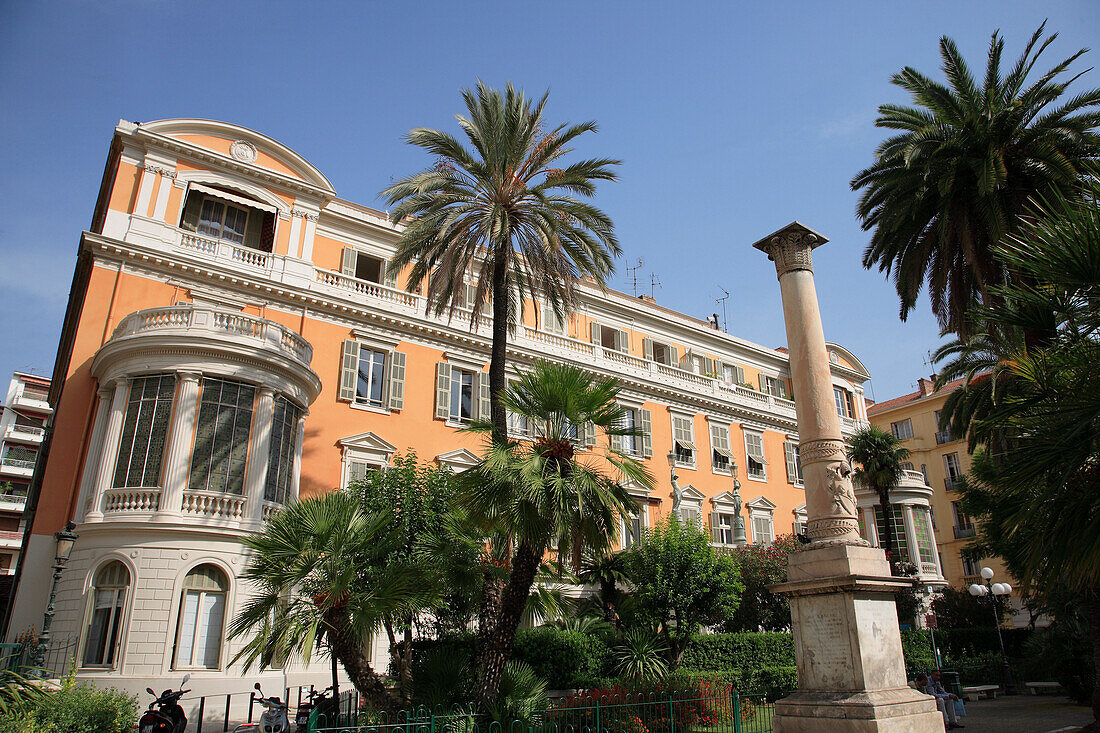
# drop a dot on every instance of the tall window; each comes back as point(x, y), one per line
point(202, 618)
point(926, 546)
point(732, 374)
point(774, 386)
point(462, 395)
point(683, 439)
point(903, 430)
point(897, 524)
point(721, 456)
point(108, 601)
point(221, 437)
point(141, 448)
point(793, 459)
point(962, 519)
point(633, 526)
point(280, 464)
point(630, 444)
point(971, 567)
point(722, 528)
point(763, 530)
point(660, 352)
point(951, 463)
point(221, 220)
point(370, 386)
point(841, 402)
point(552, 322)
point(754, 450)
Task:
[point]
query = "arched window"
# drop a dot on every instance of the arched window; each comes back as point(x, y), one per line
point(201, 619)
point(108, 600)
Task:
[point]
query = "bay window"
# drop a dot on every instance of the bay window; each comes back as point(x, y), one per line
point(144, 431)
point(221, 436)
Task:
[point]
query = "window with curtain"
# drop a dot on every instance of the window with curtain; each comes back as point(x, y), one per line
point(221, 436)
point(754, 452)
point(462, 395)
point(108, 603)
point(144, 431)
point(280, 464)
point(222, 220)
point(370, 386)
point(201, 619)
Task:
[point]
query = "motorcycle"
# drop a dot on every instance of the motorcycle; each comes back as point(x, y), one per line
point(316, 699)
point(168, 717)
point(273, 719)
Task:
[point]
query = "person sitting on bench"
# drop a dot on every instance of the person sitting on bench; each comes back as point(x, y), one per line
point(945, 701)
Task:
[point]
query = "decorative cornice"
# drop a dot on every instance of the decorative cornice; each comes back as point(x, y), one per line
point(790, 248)
point(310, 215)
point(166, 172)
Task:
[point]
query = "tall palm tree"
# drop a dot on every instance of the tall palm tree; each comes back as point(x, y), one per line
point(959, 174)
point(317, 575)
point(554, 492)
point(502, 213)
point(877, 457)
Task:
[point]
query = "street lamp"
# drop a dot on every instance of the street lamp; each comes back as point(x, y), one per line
point(66, 538)
point(990, 590)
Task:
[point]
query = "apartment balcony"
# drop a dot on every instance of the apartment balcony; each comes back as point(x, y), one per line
point(34, 400)
point(12, 502)
point(16, 467)
point(11, 540)
point(31, 434)
point(961, 533)
point(944, 436)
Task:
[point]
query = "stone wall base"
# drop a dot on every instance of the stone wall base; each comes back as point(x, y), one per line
point(901, 710)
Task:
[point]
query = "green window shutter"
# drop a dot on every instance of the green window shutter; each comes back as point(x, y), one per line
point(763, 380)
point(397, 380)
point(590, 434)
point(253, 228)
point(708, 365)
point(190, 218)
point(673, 350)
point(739, 374)
point(349, 371)
point(715, 531)
point(350, 258)
point(623, 342)
point(389, 275)
point(484, 405)
point(442, 391)
point(594, 332)
point(645, 419)
point(647, 348)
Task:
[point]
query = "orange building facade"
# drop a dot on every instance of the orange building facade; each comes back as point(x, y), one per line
point(235, 340)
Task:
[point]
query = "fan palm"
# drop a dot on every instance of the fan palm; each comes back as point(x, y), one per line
point(877, 457)
point(554, 492)
point(606, 570)
point(502, 215)
point(958, 176)
point(315, 570)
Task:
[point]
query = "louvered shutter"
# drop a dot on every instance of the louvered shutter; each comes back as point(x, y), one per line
point(647, 348)
point(739, 374)
point(715, 530)
point(622, 342)
point(253, 228)
point(708, 365)
point(763, 379)
point(792, 462)
point(190, 218)
point(594, 332)
point(397, 380)
point(646, 420)
point(389, 275)
point(682, 432)
point(350, 259)
point(443, 391)
point(590, 434)
point(673, 351)
point(349, 370)
point(483, 405)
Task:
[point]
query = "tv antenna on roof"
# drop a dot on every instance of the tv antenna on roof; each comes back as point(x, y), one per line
point(654, 283)
point(722, 300)
point(634, 274)
point(929, 363)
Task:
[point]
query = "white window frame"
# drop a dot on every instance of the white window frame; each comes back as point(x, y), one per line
point(793, 459)
point(365, 450)
point(452, 419)
point(690, 424)
point(841, 401)
point(715, 426)
point(801, 517)
point(226, 618)
point(902, 429)
point(949, 460)
point(774, 385)
point(761, 508)
point(636, 440)
point(641, 516)
point(387, 361)
point(750, 458)
point(669, 349)
point(119, 614)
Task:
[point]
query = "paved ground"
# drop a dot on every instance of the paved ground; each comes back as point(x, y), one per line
point(1025, 714)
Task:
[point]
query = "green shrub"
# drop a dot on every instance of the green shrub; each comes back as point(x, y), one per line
point(743, 650)
point(22, 721)
point(561, 657)
point(84, 708)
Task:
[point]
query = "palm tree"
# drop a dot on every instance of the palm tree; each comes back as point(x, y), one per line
point(877, 457)
point(554, 492)
point(958, 176)
point(1035, 483)
point(502, 215)
point(317, 573)
point(606, 570)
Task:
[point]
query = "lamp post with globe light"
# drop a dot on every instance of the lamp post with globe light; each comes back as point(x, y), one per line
point(988, 589)
point(66, 538)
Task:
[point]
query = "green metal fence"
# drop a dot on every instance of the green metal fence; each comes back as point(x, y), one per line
point(717, 710)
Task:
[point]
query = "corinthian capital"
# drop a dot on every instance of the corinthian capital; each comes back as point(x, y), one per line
point(790, 248)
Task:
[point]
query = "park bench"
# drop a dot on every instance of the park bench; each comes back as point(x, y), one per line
point(1038, 688)
point(973, 692)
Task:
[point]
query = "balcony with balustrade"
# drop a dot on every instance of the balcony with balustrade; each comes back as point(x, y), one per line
point(30, 434)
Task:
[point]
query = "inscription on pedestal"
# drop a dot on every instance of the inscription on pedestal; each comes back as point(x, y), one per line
point(826, 663)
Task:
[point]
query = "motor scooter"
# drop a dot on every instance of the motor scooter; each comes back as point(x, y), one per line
point(317, 699)
point(168, 717)
point(273, 719)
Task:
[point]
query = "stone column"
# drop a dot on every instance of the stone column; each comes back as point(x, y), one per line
point(181, 439)
point(851, 673)
point(296, 474)
point(109, 454)
point(907, 520)
point(259, 452)
point(94, 455)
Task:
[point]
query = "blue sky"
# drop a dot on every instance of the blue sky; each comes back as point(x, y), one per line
point(732, 119)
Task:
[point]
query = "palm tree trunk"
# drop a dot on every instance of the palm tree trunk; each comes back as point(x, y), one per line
point(497, 361)
point(888, 525)
point(609, 593)
point(396, 653)
point(348, 648)
point(495, 648)
point(1092, 610)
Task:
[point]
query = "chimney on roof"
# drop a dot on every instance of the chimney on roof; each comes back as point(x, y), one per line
point(647, 298)
point(926, 386)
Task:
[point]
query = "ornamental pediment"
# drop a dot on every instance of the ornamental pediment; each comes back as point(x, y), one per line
point(761, 502)
point(367, 442)
point(458, 460)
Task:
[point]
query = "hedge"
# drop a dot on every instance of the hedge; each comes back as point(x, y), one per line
point(742, 650)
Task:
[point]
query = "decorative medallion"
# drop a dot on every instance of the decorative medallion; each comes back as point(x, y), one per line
point(243, 151)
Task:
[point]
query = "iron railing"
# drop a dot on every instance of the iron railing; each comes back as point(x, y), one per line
point(717, 710)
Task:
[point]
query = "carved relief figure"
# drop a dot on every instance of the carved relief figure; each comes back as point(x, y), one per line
point(838, 478)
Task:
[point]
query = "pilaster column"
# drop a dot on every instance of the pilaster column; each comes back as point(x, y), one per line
point(296, 473)
point(830, 498)
point(181, 438)
point(95, 450)
point(910, 533)
point(109, 454)
point(259, 453)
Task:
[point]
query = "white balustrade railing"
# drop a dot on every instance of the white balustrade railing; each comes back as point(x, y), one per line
point(367, 288)
point(32, 430)
point(199, 242)
point(564, 343)
point(198, 318)
point(13, 498)
point(213, 505)
point(17, 463)
point(268, 509)
point(221, 249)
point(131, 501)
